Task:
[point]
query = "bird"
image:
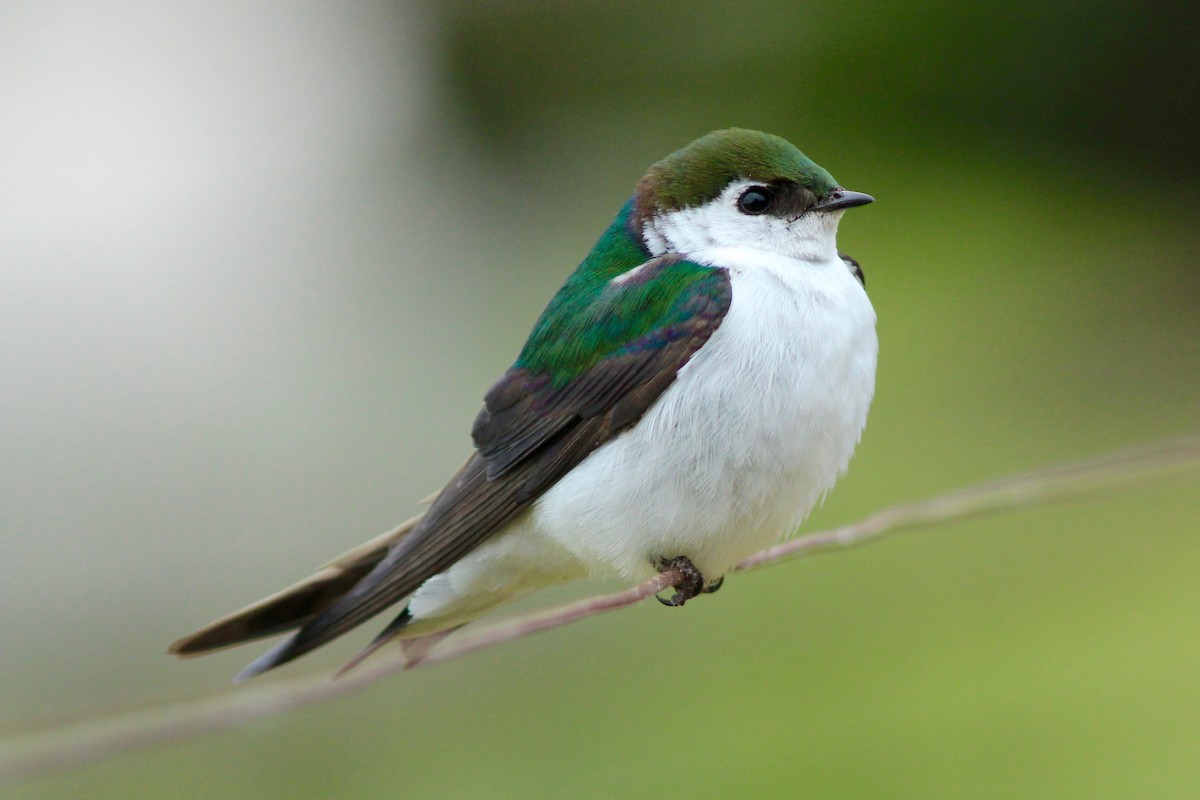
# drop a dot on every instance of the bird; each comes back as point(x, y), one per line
point(690, 393)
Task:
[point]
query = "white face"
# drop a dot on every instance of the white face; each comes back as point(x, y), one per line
point(811, 236)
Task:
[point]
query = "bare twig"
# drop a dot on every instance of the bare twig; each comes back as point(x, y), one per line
point(75, 744)
point(1043, 485)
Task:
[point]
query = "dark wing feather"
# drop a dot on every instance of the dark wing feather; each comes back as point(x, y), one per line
point(855, 268)
point(533, 429)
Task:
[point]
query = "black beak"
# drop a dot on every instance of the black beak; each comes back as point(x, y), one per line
point(843, 198)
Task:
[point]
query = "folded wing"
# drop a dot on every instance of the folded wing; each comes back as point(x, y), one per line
point(590, 370)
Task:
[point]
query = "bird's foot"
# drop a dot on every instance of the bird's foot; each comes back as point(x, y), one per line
point(690, 585)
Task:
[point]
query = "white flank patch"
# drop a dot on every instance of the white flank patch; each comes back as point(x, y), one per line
point(629, 275)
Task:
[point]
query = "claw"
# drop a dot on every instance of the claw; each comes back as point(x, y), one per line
point(690, 585)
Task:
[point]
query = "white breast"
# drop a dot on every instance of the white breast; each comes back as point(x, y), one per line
point(756, 428)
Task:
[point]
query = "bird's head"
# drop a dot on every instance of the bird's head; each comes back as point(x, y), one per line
point(741, 188)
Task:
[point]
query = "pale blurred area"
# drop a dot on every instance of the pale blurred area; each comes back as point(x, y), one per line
point(212, 248)
point(259, 262)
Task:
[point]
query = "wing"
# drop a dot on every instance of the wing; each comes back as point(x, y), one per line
point(855, 268)
point(597, 360)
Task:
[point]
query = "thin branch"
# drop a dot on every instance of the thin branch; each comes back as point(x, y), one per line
point(76, 744)
point(1007, 494)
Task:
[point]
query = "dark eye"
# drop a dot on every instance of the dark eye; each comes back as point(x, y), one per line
point(756, 200)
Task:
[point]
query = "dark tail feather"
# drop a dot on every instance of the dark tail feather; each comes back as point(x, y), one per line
point(297, 645)
point(449, 530)
point(385, 636)
point(290, 648)
point(289, 609)
point(367, 597)
point(272, 658)
point(294, 606)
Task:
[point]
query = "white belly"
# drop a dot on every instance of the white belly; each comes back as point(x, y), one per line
point(755, 429)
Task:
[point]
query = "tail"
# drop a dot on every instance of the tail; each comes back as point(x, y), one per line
point(296, 604)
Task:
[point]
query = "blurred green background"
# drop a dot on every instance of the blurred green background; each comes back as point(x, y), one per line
point(260, 262)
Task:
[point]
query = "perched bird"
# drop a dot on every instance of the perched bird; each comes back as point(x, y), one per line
point(689, 394)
